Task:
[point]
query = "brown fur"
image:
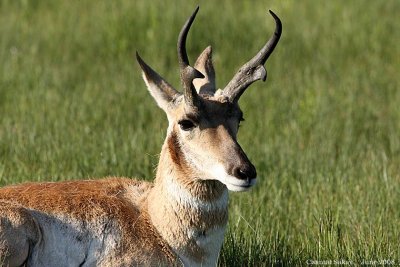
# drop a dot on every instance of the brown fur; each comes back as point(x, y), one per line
point(92, 201)
point(126, 204)
point(178, 219)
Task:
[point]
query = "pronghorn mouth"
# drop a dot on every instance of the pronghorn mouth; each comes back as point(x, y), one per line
point(234, 184)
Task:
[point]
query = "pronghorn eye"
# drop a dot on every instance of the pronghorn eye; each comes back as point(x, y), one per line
point(186, 125)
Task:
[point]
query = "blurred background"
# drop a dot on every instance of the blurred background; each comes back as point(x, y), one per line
point(323, 131)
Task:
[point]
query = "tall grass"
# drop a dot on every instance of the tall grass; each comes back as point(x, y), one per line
point(323, 131)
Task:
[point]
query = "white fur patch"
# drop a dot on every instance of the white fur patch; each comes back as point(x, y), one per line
point(156, 92)
point(231, 182)
point(185, 198)
point(69, 242)
point(218, 172)
point(211, 242)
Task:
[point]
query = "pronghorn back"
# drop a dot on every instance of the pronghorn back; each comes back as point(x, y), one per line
point(71, 220)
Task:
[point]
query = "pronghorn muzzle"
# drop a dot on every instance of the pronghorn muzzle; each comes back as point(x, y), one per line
point(243, 170)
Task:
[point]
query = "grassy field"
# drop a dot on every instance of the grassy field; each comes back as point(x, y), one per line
point(323, 132)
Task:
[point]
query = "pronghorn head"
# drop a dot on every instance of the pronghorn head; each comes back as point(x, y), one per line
point(203, 121)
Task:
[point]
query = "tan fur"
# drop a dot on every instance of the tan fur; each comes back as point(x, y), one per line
point(179, 219)
point(125, 203)
point(152, 226)
point(108, 200)
point(167, 215)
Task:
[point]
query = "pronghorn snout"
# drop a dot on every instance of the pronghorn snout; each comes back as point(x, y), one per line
point(240, 177)
point(243, 169)
point(241, 174)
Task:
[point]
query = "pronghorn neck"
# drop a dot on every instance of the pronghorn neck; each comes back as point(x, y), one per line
point(190, 213)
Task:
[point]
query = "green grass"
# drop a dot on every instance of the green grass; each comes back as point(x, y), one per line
point(323, 132)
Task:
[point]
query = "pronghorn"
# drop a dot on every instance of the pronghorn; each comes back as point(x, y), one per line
point(180, 218)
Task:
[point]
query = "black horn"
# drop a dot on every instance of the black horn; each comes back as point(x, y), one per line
point(187, 73)
point(254, 69)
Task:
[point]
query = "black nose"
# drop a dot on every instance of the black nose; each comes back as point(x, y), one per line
point(246, 172)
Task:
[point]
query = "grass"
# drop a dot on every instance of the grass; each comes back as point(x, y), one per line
point(323, 131)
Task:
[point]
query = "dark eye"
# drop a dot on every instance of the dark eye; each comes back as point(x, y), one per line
point(186, 125)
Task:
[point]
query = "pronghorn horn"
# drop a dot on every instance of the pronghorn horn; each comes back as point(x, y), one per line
point(254, 69)
point(188, 73)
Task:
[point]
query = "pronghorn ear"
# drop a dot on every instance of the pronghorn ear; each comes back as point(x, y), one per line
point(159, 89)
point(204, 64)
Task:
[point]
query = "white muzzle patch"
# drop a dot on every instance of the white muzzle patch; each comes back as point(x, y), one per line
point(232, 183)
